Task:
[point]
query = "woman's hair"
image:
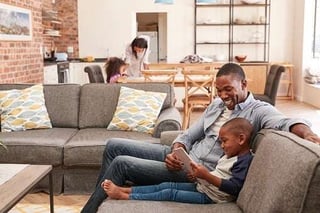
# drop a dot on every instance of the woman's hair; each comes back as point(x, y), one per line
point(113, 66)
point(140, 43)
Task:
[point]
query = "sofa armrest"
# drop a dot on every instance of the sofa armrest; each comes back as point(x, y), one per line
point(167, 137)
point(168, 120)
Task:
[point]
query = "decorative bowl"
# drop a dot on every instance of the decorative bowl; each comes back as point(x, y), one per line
point(240, 58)
point(220, 57)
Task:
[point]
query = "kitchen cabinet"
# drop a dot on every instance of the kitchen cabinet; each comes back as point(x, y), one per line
point(227, 28)
point(77, 74)
point(50, 74)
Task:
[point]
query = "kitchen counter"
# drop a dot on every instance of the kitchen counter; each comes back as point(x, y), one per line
point(51, 63)
point(80, 60)
point(73, 60)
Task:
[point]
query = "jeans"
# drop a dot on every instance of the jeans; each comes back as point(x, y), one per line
point(170, 191)
point(129, 160)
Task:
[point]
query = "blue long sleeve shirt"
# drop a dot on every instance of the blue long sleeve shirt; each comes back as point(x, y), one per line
point(233, 172)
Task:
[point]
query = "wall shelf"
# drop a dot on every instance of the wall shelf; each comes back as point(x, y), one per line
point(232, 29)
point(51, 23)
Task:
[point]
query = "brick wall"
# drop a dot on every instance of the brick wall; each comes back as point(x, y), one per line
point(48, 41)
point(68, 14)
point(68, 10)
point(22, 61)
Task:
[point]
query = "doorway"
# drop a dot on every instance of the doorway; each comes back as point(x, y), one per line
point(154, 25)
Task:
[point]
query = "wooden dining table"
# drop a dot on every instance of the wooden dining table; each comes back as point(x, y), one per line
point(162, 76)
point(178, 81)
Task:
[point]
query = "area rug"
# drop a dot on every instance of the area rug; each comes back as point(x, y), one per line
point(42, 208)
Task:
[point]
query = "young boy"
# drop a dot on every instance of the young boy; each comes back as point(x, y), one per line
point(221, 185)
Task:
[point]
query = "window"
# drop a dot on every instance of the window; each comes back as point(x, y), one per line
point(316, 35)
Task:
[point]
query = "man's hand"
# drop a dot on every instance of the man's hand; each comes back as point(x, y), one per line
point(314, 138)
point(305, 132)
point(173, 163)
point(191, 177)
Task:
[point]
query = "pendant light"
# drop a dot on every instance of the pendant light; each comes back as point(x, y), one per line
point(163, 1)
point(206, 1)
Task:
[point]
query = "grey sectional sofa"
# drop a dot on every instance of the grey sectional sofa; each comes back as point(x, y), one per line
point(284, 177)
point(74, 146)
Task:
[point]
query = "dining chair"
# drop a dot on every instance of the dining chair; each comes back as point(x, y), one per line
point(162, 66)
point(167, 76)
point(272, 84)
point(94, 73)
point(199, 66)
point(199, 91)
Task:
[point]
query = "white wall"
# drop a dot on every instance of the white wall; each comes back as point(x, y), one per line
point(111, 25)
point(281, 30)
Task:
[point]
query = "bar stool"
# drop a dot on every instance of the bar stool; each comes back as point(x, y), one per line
point(289, 82)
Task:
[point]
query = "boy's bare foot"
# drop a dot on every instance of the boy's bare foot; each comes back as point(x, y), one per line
point(107, 182)
point(103, 182)
point(114, 191)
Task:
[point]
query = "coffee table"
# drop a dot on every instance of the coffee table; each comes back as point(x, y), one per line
point(12, 191)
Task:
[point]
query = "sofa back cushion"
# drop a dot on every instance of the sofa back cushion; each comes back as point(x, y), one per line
point(98, 102)
point(62, 101)
point(284, 175)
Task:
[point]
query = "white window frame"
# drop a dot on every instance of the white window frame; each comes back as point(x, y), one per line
point(316, 33)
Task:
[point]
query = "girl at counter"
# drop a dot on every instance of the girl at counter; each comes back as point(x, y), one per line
point(136, 56)
point(115, 70)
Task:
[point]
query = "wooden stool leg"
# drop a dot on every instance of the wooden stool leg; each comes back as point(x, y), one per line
point(291, 82)
point(288, 82)
point(190, 107)
point(185, 116)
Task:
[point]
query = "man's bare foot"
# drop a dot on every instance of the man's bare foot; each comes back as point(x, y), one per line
point(114, 191)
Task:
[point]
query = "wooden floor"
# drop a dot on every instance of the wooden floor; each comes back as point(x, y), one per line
point(73, 203)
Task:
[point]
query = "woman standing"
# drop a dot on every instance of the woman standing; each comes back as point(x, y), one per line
point(137, 54)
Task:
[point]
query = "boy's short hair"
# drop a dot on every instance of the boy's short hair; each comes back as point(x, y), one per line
point(239, 126)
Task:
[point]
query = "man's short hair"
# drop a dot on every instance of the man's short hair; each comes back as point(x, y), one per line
point(232, 69)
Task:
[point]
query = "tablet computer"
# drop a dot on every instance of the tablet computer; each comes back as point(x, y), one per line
point(184, 157)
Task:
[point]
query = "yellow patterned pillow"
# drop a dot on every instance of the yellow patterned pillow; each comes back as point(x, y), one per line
point(23, 109)
point(137, 110)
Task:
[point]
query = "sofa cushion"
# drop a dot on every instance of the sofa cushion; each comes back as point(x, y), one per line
point(23, 109)
point(137, 110)
point(62, 102)
point(284, 175)
point(138, 206)
point(98, 102)
point(86, 147)
point(43, 146)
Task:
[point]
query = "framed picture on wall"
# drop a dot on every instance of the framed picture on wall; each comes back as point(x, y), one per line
point(15, 23)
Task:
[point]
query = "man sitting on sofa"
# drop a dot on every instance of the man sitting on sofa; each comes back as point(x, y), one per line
point(145, 164)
